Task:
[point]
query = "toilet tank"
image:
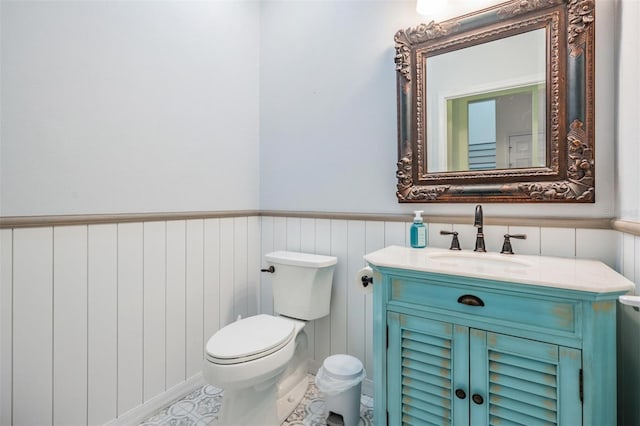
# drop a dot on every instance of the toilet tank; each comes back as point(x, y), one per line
point(301, 283)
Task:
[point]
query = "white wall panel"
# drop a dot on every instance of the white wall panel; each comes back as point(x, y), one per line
point(558, 242)
point(266, 293)
point(530, 245)
point(33, 326)
point(466, 235)
point(102, 342)
point(130, 301)
point(6, 323)
point(395, 234)
point(407, 233)
point(155, 283)
point(308, 235)
point(279, 233)
point(70, 325)
point(628, 256)
point(308, 245)
point(600, 244)
point(374, 236)
point(254, 261)
point(356, 238)
point(322, 329)
point(240, 285)
point(227, 252)
point(493, 237)
point(194, 296)
point(176, 299)
point(339, 249)
point(211, 277)
point(294, 233)
point(437, 240)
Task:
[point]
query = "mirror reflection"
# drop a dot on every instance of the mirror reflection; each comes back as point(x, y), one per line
point(486, 105)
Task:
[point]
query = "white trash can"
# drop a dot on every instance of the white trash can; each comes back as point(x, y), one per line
point(340, 379)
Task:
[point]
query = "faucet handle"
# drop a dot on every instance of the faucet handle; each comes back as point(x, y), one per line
point(506, 246)
point(455, 244)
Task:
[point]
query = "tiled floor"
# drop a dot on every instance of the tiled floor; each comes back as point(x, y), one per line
point(201, 408)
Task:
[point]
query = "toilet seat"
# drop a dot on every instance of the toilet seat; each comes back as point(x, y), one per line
point(249, 339)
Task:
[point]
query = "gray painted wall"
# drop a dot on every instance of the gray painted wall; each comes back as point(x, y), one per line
point(328, 111)
point(112, 107)
point(121, 107)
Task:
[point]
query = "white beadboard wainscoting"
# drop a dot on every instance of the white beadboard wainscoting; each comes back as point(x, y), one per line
point(97, 320)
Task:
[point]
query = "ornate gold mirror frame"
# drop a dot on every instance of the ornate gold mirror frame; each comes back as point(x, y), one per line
point(569, 172)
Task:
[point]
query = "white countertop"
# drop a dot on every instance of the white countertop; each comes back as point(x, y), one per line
point(567, 273)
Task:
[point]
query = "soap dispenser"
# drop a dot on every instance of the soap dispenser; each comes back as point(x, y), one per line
point(418, 231)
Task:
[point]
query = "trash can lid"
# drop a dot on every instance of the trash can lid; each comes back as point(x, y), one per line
point(342, 366)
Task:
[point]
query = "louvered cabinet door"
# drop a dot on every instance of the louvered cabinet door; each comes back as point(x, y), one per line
point(427, 362)
point(516, 381)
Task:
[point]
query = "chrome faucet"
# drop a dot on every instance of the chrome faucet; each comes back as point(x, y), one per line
point(478, 224)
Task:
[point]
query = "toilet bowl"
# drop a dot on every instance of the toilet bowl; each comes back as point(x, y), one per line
point(261, 361)
point(247, 359)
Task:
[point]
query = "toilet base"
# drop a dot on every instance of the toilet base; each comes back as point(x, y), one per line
point(289, 401)
point(249, 406)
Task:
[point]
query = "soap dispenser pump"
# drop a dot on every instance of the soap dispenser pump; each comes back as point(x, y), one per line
point(418, 231)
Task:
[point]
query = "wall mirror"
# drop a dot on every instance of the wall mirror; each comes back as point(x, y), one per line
point(497, 105)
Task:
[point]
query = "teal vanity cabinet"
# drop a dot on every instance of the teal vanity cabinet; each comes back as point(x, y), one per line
point(463, 338)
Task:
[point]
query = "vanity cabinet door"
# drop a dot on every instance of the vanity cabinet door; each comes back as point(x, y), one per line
point(516, 381)
point(445, 374)
point(427, 366)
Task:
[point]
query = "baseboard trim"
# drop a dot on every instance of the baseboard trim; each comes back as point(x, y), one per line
point(158, 402)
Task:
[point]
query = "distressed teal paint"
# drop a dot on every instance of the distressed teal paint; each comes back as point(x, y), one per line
point(522, 352)
point(478, 376)
point(461, 374)
point(380, 346)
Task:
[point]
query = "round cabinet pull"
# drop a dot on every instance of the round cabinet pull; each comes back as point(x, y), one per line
point(471, 300)
point(461, 394)
point(478, 399)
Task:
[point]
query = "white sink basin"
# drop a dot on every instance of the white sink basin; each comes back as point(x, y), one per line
point(568, 273)
point(464, 259)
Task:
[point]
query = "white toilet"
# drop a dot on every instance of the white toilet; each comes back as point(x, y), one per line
point(261, 361)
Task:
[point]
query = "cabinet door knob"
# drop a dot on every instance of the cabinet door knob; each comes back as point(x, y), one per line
point(478, 399)
point(471, 300)
point(461, 394)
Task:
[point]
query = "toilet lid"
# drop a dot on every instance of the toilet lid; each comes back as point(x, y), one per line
point(250, 338)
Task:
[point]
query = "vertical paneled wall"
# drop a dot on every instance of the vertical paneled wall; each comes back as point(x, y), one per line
point(628, 342)
point(96, 320)
point(99, 319)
